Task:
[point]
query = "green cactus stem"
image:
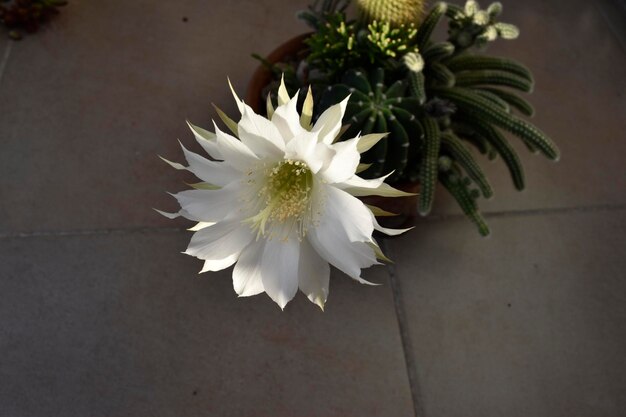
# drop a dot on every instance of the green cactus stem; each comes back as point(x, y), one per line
point(470, 62)
point(438, 51)
point(485, 77)
point(483, 109)
point(376, 107)
point(459, 189)
point(499, 143)
point(430, 22)
point(428, 165)
point(512, 99)
point(461, 154)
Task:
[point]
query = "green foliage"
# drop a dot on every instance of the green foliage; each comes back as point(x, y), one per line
point(339, 45)
point(333, 46)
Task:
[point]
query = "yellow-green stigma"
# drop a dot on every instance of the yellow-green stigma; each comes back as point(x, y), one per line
point(285, 198)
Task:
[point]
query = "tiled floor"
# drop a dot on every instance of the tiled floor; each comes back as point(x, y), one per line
point(100, 315)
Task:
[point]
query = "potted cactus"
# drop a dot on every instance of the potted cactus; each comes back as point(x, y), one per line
point(440, 101)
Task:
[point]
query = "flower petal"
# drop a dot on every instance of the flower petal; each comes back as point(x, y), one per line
point(314, 274)
point(344, 163)
point(283, 95)
point(210, 205)
point(260, 135)
point(329, 123)
point(329, 238)
point(279, 269)
point(350, 214)
point(240, 103)
point(213, 265)
point(247, 272)
point(287, 119)
point(234, 151)
point(220, 243)
point(218, 173)
point(360, 187)
point(302, 148)
point(348, 257)
point(206, 139)
point(386, 230)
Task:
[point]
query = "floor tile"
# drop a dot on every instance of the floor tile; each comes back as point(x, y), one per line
point(89, 102)
point(529, 322)
point(120, 324)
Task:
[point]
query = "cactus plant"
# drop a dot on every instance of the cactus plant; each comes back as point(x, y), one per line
point(376, 107)
point(394, 12)
point(436, 99)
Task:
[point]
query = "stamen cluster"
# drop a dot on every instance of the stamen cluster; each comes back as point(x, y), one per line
point(286, 199)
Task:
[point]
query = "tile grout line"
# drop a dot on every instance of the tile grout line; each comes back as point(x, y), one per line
point(93, 232)
point(5, 59)
point(431, 218)
point(407, 346)
point(531, 212)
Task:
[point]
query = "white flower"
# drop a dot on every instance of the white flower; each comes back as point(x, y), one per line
point(279, 202)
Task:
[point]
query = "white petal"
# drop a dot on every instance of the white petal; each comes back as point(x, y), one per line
point(329, 123)
point(390, 232)
point(210, 205)
point(324, 153)
point(359, 182)
point(218, 173)
point(166, 214)
point(359, 187)
point(240, 103)
point(219, 264)
point(220, 242)
point(350, 214)
point(200, 226)
point(302, 148)
point(344, 163)
point(260, 135)
point(234, 151)
point(287, 119)
point(247, 272)
point(314, 274)
point(279, 269)
point(348, 257)
point(328, 237)
point(206, 139)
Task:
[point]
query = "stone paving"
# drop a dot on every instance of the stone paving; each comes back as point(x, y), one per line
point(100, 314)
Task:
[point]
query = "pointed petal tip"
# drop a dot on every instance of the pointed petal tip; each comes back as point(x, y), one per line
point(166, 214)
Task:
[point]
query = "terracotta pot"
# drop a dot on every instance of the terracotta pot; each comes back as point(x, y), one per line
point(404, 207)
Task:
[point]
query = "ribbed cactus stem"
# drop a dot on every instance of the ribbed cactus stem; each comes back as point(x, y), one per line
point(395, 12)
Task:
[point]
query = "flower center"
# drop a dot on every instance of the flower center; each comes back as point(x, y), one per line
point(285, 200)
